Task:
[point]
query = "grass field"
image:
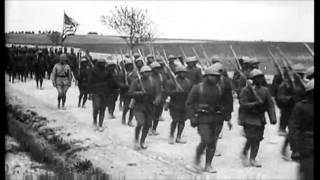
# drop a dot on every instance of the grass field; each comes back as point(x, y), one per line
point(295, 51)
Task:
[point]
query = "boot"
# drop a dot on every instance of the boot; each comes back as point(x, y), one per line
point(255, 163)
point(208, 168)
point(143, 146)
point(155, 133)
point(179, 140)
point(244, 160)
point(130, 124)
point(171, 140)
point(112, 116)
point(136, 145)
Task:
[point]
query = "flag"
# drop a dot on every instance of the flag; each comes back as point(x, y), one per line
point(69, 26)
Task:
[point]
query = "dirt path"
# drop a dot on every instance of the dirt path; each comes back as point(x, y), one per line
point(112, 150)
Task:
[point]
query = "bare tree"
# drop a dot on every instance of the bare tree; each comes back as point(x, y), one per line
point(133, 25)
point(55, 38)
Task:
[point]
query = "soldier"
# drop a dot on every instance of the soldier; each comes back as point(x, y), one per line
point(150, 59)
point(177, 101)
point(114, 88)
point(237, 80)
point(204, 109)
point(289, 93)
point(301, 130)
point(72, 61)
point(61, 79)
point(171, 60)
point(83, 81)
point(193, 72)
point(126, 101)
point(98, 86)
point(147, 96)
point(39, 68)
point(252, 116)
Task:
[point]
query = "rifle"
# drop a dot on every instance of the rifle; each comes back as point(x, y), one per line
point(184, 54)
point(178, 86)
point(286, 60)
point(254, 92)
point(276, 64)
point(195, 52)
point(123, 70)
point(206, 55)
point(309, 49)
point(138, 73)
point(142, 57)
point(236, 57)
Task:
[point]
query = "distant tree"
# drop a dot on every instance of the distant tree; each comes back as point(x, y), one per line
point(55, 38)
point(133, 25)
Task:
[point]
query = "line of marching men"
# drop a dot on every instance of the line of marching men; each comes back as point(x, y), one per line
point(148, 85)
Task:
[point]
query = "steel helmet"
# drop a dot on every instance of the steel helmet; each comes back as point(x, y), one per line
point(139, 59)
point(63, 56)
point(155, 64)
point(181, 69)
point(101, 60)
point(128, 61)
point(171, 57)
point(254, 61)
point(256, 72)
point(191, 59)
point(219, 66)
point(310, 85)
point(310, 71)
point(145, 69)
point(299, 68)
point(84, 59)
point(150, 56)
point(212, 70)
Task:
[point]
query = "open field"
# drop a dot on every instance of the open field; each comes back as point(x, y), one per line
point(295, 51)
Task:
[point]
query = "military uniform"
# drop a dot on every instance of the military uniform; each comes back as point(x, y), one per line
point(145, 103)
point(40, 69)
point(99, 88)
point(113, 87)
point(177, 103)
point(252, 117)
point(193, 72)
point(83, 81)
point(61, 79)
point(302, 130)
point(131, 76)
point(203, 107)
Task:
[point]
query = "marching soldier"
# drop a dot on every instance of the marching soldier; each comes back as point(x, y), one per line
point(39, 68)
point(150, 59)
point(237, 80)
point(289, 93)
point(255, 102)
point(177, 101)
point(171, 60)
point(98, 87)
point(113, 87)
point(159, 79)
point(83, 81)
point(126, 101)
point(61, 79)
point(301, 130)
point(147, 95)
point(205, 111)
point(193, 72)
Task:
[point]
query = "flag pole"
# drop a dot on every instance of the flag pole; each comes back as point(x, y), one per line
point(62, 27)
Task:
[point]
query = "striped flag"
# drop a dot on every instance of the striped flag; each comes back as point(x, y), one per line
point(69, 27)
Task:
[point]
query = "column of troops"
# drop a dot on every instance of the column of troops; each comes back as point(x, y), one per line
point(147, 86)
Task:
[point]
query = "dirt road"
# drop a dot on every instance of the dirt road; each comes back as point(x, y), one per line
point(112, 150)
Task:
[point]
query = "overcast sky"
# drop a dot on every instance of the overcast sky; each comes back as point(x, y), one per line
point(216, 20)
